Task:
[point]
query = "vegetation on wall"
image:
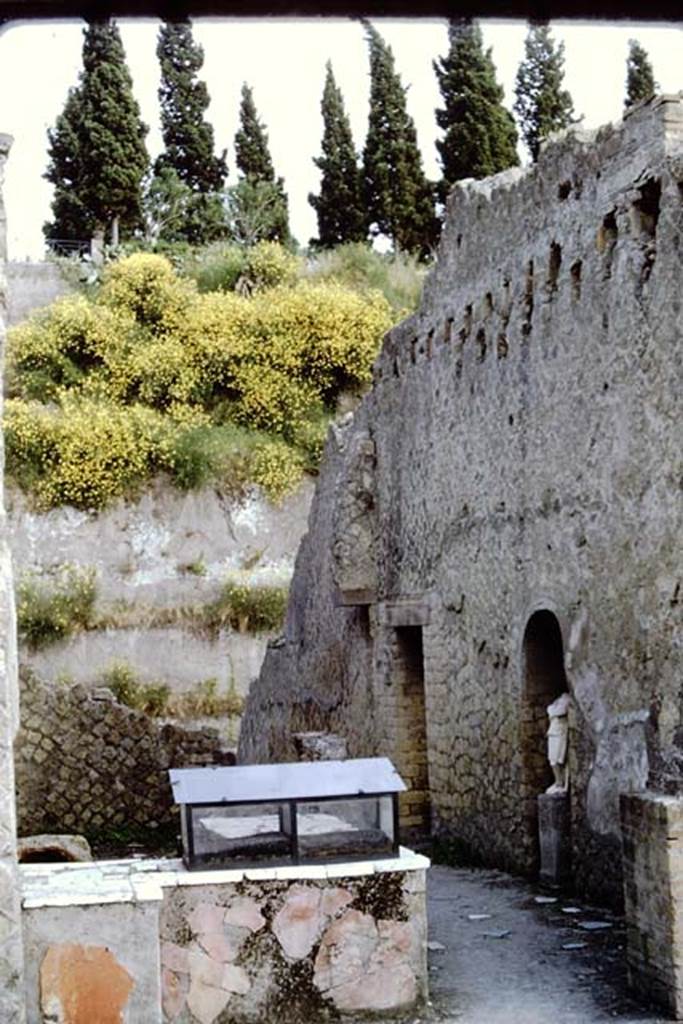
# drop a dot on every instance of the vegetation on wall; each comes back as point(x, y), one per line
point(150, 375)
point(55, 609)
point(156, 699)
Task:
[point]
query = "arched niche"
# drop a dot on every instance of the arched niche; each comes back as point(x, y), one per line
point(543, 680)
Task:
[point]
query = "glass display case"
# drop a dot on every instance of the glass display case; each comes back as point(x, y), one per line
point(298, 813)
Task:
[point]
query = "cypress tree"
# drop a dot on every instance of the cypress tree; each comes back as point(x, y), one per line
point(480, 137)
point(398, 197)
point(188, 138)
point(542, 105)
point(72, 220)
point(255, 164)
point(640, 79)
point(101, 125)
point(339, 207)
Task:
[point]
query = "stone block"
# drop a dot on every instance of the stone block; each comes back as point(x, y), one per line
point(554, 833)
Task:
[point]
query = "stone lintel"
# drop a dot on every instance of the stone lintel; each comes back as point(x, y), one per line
point(348, 598)
point(405, 611)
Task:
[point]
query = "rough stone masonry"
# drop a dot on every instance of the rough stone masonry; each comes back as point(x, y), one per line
point(500, 520)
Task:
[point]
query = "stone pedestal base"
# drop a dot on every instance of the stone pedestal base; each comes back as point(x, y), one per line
point(554, 832)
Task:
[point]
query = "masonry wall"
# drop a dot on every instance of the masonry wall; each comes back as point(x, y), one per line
point(652, 829)
point(526, 458)
point(94, 766)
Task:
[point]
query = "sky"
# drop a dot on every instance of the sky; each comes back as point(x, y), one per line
point(284, 62)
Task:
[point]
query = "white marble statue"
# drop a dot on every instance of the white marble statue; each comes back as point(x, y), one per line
point(557, 735)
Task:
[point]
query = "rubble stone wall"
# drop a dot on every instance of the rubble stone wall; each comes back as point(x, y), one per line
point(526, 458)
point(90, 765)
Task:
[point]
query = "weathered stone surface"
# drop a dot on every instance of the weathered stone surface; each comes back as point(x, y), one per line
point(320, 746)
point(356, 962)
point(206, 1002)
point(54, 847)
point(175, 957)
point(11, 955)
point(206, 917)
point(244, 912)
point(218, 946)
point(299, 922)
point(83, 984)
point(527, 438)
point(173, 997)
point(364, 965)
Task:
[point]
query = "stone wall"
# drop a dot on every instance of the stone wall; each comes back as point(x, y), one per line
point(11, 953)
point(88, 764)
point(652, 828)
point(154, 557)
point(31, 286)
point(509, 491)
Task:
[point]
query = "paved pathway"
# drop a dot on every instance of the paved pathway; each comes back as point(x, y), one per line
point(514, 967)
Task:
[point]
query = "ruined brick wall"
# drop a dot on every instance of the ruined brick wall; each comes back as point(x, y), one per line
point(652, 828)
point(524, 504)
point(90, 765)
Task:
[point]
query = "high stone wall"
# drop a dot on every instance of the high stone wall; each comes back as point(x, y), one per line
point(520, 452)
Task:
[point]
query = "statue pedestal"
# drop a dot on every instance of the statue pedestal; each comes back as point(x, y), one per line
point(554, 833)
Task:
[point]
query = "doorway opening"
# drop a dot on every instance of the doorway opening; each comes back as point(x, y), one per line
point(411, 748)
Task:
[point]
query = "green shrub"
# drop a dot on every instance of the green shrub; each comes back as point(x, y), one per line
point(157, 700)
point(50, 611)
point(356, 265)
point(217, 267)
point(203, 700)
point(253, 608)
point(268, 265)
point(151, 698)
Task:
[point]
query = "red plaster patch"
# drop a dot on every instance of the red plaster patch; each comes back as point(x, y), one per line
point(83, 984)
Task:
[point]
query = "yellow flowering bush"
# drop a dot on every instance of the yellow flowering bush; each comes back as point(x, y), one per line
point(154, 376)
point(57, 346)
point(268, 265)
point(146, 286)
point(277, 468)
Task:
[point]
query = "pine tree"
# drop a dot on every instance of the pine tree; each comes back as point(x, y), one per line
point(542, 105)
point(188, 138)
point(640, 79)
point(480, 135)
point(398, 197)
point(101, 125)
point(339, 207)
point(255, 163)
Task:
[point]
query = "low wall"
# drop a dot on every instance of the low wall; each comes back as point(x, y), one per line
point(88, 765)
point(32, 286)
point(295, 945)
point(652, 836)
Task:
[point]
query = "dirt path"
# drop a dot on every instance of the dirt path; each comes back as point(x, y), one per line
point(514, 967)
